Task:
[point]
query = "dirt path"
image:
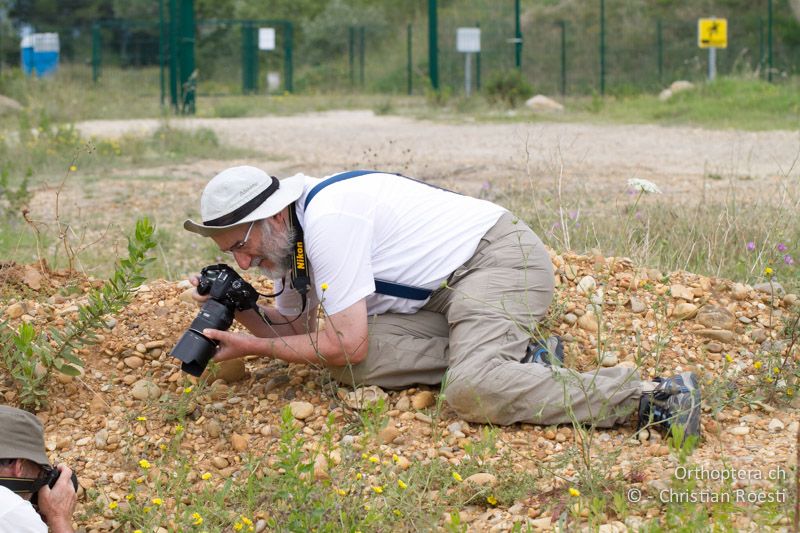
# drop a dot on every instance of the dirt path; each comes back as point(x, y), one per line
point(467, 154)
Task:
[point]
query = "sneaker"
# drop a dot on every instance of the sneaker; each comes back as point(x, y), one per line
point(675, 401)
point(549, 352)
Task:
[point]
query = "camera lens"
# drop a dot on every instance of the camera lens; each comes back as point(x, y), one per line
point(194, 349)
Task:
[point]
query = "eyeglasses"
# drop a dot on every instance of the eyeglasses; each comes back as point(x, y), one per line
point(239, 245)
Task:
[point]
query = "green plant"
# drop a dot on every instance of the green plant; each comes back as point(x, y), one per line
point(30, 357)
point(508, 87)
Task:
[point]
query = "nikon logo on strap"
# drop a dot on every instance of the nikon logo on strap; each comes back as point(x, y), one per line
point(300, 256)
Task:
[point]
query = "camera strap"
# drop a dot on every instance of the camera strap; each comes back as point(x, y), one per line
point(300, 279)
point(21, 485)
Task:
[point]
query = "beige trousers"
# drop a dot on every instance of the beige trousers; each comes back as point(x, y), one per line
point(472, 334)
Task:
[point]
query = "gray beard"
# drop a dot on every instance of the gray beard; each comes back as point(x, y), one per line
point(279, 246)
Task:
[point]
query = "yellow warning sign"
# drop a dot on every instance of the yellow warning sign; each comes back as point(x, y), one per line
point(712, 33)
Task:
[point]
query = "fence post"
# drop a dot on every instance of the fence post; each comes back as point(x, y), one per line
point(247, 61)
point(660, 47)
point(563, 25)
point(288, 65)
point(769, 41)
point(97, 47)
point(602, 47)
point(351, 41)
point(760, 45)
point(408, 53)
point(478, 65)
point(161, 59)
point(173, 54)
point(517, 37)
point(433, 45)
point(361, 54)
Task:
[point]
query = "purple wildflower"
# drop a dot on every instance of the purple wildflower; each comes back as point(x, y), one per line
point(788, 259)
point(781, 247)
point(751, 246)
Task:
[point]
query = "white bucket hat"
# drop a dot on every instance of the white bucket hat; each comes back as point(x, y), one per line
point(243, 194)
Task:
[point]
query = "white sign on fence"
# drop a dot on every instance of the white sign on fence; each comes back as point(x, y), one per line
point(266, 38)
point(468, 40)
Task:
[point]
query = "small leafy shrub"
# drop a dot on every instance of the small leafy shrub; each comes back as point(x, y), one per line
point(30, 357)
point(508, 87)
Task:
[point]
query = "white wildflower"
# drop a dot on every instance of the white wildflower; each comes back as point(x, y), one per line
point(643, 185)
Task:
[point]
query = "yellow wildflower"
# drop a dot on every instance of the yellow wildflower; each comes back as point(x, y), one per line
point(457, 477)
point(768, 271)
point(178, 428)
point(491, 500)
point(141, 418)
point(157, 501)
point(776, 370)
point(378, 489)
point(140, 480)
point(574, 492)
point(73, 168)
point(206, 476)
point(246, 521)
point(137, 531)
point(324, 286)
point(113, 505)
point(359, 476)
point(374, 459)
point(144, 463)
point(395, 458)
point(757, 365)
point(397, 512)
point(402, 484)
point(129, 497)
point(341, 492)
point(187, 390)
point(197, 519)
point(789, 392)
point(146, 510)
point(237, 526)
point(728, 358)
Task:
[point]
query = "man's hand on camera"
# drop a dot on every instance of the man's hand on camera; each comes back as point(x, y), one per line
point(194, 279)
point(231, 345)
point(58, 504)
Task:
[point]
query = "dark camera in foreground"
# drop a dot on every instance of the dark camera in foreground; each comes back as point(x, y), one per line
point(228, 293)
point(49, 477)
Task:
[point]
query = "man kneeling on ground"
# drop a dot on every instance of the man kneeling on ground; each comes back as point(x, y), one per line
point(416, 283)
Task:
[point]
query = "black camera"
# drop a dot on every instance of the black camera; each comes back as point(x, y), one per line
point(48, 477)
point(228, 293)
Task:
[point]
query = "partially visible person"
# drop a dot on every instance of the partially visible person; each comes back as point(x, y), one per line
point(23, 462)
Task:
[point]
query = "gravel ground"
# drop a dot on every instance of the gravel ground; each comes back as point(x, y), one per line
point(92, 426)
point(467, 154)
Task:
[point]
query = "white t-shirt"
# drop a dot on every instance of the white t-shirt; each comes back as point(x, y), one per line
point(386, 227)
point(17, 515)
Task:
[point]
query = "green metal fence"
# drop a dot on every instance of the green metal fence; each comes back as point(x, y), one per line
point(608, 46)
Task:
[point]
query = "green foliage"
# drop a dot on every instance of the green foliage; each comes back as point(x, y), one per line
point(30, 357)
point(508, 87)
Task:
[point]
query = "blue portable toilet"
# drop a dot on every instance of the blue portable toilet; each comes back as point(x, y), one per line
point(45, 53)
point(26, 54)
